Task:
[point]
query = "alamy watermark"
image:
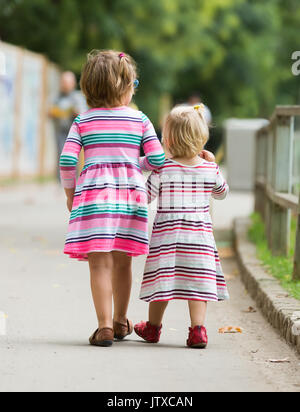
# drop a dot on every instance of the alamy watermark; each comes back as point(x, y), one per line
point(3, 318)
point(296, 65)
point(180, 192)
point(153, 402)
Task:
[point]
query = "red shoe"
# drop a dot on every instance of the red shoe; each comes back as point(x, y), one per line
point(148, 332)
point(197, 337)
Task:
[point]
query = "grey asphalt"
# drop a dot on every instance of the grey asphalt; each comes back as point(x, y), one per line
point(46, 299)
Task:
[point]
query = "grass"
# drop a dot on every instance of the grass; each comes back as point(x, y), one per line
point(280, 267)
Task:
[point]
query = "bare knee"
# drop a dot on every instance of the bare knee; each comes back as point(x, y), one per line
point(100, 262)
point(122, 262)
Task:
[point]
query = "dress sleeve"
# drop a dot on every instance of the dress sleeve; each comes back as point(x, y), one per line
point(221, 188)
point(155, 156)
point(69, 157)
point(152, 186)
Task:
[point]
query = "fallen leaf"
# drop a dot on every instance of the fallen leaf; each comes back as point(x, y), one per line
point(250, 310)
point(230, 329)
point(286, 360)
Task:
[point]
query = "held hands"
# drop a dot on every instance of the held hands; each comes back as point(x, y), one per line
point(208, 156)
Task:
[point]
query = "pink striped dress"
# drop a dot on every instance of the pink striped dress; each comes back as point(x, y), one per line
point(183, 262)
point(110, 210)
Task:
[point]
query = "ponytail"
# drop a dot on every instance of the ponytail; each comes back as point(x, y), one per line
point(126, 75)
point(107, 77)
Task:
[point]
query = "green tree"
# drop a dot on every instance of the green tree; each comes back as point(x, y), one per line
point(237, 53)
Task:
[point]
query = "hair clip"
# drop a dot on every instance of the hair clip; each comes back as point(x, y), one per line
point(199, 107)
point(121, 55)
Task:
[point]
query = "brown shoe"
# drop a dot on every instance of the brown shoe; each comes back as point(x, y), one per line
point(102, 337)
point(121, 330)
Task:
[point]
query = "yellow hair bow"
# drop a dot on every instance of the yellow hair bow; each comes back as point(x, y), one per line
point(199, 107)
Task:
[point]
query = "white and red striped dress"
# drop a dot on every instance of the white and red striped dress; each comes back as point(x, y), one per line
point(183, 262)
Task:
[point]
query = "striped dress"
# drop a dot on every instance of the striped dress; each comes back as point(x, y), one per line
point(110, 210)
point(183, 262)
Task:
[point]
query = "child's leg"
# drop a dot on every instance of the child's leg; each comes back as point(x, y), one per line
point(101, 268)
point(151, 331)
point(156, 312)
point(122, 282)
point(197, 312)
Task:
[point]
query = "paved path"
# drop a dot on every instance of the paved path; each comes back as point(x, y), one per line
point(50, 316)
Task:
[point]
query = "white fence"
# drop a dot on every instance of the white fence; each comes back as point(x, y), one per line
point(28, 83)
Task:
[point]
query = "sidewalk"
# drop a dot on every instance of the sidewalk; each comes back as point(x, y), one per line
point(47, 300)
point(237, 204)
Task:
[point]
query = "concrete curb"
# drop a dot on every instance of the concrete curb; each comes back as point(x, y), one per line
point(281, 310)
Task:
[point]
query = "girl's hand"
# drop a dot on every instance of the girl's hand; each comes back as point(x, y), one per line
point(70, 203)
point(208, 156)
point(70, 198)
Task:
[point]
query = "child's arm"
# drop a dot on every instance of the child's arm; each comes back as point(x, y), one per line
point(70, 198)
point(221, 188)
point(68, 162)
point(155, 156)
point(152, 186)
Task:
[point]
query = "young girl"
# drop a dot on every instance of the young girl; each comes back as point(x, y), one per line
point(109, 223)
point(183, 262)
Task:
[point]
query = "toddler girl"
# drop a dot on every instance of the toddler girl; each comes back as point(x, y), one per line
point(183, 262)
point(109, 222)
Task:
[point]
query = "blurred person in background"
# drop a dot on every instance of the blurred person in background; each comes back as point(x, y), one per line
point(66, 108)
point(215, 142)
point(196, 100)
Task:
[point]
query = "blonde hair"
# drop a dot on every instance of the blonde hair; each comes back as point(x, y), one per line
point(185, 131)
point(107, 78)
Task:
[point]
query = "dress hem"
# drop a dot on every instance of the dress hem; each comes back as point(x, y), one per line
point(83, 256)
point(196, 300)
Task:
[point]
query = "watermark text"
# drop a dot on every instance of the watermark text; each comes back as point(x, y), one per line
point(296, 65)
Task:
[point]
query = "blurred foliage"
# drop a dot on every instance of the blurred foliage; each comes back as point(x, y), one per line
point(237, 53)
